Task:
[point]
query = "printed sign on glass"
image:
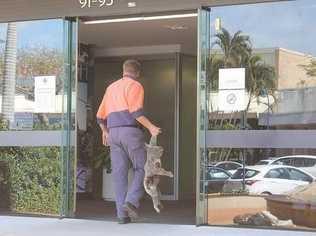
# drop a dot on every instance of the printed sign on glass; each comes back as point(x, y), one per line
point(231, 93)
point(45, 94)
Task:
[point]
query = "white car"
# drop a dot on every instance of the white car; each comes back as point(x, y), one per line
point(304, 162)
point(270, 179)
point(230, 166)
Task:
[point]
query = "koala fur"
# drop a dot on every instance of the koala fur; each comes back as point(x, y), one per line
point(153, 171)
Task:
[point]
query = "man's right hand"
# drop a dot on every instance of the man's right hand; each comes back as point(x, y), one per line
point(154, 130)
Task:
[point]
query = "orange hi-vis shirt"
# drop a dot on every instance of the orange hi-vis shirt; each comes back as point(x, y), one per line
point(122, 103)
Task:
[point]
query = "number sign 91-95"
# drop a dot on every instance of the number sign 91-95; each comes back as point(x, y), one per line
point(96, 3)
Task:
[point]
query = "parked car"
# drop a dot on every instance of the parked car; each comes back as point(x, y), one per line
point(304, 162)
point(230, 166)
point(215, 179)
point(270, 179)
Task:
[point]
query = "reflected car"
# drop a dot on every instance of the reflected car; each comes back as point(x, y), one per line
point(304, 162)
point(230, 166)
point(268, 180)
point(215, 179)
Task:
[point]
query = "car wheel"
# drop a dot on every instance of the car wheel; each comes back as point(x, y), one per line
point(266, 193)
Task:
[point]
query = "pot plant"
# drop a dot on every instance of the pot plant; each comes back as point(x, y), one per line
point(103, 160)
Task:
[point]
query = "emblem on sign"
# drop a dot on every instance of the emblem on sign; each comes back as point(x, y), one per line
point(231, 98)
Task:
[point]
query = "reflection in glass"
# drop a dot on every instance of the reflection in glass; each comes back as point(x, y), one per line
point(31, 91)
point(262, 85)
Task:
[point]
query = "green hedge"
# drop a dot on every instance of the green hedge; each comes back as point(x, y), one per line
point(34, 179)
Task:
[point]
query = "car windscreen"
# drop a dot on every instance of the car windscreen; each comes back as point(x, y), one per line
point(249, 173)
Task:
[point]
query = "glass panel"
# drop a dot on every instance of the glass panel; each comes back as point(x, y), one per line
point(202, 121)
point(248, 196)
point(261, 110)
point(69, 143)
point(31, 93)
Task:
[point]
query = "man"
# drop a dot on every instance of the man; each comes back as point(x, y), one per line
point(119, 116)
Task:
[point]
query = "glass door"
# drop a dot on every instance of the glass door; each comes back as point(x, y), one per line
point(202, 112)
point(69, 143)
point(257, 151)
point(37, 157)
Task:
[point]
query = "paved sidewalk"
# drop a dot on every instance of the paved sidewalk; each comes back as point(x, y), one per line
point(28, 226)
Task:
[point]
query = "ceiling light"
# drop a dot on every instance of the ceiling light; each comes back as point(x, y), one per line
point(170, 16)
point(113, 20)
point(144, 18)
point(176, 27)
point(131, 4)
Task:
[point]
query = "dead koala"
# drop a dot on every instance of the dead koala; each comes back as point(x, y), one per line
point(153, 171)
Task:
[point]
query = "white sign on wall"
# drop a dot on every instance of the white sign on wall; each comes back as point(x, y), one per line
point(232, 91)
point(45, 94)
point(232, 78)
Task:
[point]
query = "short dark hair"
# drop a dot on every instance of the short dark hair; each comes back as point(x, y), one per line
point(131, 66)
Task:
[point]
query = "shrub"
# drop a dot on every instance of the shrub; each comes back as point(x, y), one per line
point(34, 179)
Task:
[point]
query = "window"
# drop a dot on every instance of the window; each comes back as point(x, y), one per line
point(214, 174)
point(299, 175)
point(279, 173)
point(284, 161)
point(299, 162)
point(248, 174)
point(229, 166)
point(261, 163)
point(309, 162)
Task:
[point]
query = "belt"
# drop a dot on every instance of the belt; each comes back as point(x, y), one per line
point(138, 126)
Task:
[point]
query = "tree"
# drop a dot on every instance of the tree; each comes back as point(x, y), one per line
point(236, 52)
point(235, 47)
point(310, 68)
point(10, 56)
point(260, 78)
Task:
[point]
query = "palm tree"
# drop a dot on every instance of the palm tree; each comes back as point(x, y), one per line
point(10, 58)
point(236, 51)
point(234, 47)
point(260, 77)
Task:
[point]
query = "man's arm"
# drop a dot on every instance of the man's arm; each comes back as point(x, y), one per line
point(154, 130)
point(135, 97)
point(105, 134)
point(101, 119)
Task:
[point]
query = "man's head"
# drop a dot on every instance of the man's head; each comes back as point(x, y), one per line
point(132, 68)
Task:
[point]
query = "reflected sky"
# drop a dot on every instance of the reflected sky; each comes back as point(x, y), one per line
point(289, 25)
point(45, 33)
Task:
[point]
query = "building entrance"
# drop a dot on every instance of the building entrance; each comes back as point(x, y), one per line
point(167, 53)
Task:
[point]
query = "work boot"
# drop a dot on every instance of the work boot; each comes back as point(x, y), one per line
point(124, 220)
point(131, 209)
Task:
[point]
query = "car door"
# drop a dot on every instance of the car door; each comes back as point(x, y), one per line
point(276, 181)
